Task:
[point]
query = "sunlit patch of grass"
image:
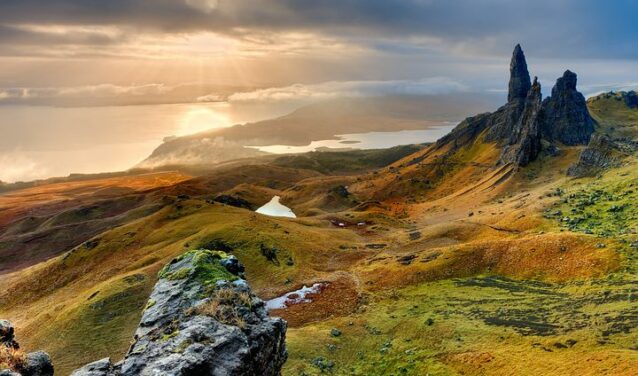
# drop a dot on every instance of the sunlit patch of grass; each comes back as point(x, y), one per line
point(485, 325)
point(94, 325)
point(224, 305)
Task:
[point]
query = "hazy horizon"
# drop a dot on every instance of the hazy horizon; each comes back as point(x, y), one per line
point(96, 79)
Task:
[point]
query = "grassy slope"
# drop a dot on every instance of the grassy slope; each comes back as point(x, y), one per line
point(613, 116)
point(355, 161)
point(580, 321)
point(467, 274)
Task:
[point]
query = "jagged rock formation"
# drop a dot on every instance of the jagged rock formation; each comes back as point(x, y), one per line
point(33, 364)
point(526, 122)
point(601, 153)
point(567, 118)
point(520, 82)
point(201, 319)
point(525, 141)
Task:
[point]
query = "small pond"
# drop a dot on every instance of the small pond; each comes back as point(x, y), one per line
point(275, 209)
point(295, 297)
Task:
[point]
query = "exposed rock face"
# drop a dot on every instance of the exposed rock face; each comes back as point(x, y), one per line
point(567, 118)
point(520, 82)
point(631, 99)
point(601, 153)
point(525, 141)
point(34, 364)
point(525, 123)
point(201, 319)
point(502, 121)
point(498, 125)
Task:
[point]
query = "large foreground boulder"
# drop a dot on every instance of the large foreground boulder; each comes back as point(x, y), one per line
point(201, 319)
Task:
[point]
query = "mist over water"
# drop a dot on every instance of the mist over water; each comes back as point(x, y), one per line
point(39, 142)
point(369, 140)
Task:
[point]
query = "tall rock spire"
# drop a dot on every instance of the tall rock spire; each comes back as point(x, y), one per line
point(568, 120)
point(525, 140)
point(520, 82)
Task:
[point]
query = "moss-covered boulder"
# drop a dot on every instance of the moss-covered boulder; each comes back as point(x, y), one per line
point(201, 319)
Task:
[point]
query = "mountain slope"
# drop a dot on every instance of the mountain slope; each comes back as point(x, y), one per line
point(454, 260)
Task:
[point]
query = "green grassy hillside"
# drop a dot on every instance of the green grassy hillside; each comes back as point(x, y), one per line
point(431, 266)
point(613, 114)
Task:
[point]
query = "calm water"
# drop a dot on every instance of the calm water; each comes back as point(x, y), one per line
point(276, 209)
point(371, 140)
point(38, 142)
point(295, 297)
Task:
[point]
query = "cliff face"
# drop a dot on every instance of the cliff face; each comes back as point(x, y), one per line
point(525, 120)
point(520, 82)
point(600, 154)
point(567, 118)
point(525, 140)
point(201, 319)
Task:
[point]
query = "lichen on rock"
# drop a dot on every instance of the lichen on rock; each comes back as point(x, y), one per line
point(203, 320)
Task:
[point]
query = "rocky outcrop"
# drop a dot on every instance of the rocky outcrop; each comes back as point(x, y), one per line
point(498, 125)
point(503, 121)
point(525, 141)
point(630, 98)
point(567, 119)
point(520, 82)
point(525, 123)
point(15, 363)
point(201, 319)
point(601, 153)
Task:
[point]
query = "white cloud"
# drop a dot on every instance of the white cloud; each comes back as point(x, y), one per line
point(336, 89)
point(82, 92)
point(210, 98)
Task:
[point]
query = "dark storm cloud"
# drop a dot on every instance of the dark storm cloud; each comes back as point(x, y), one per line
point(579, 28)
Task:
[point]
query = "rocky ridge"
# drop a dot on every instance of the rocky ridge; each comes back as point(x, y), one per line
point(630, 98)
point(603, 152)
point(526, 121)
point(201, 319)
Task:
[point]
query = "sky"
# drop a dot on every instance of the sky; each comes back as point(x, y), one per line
point(274, 54)
point(128, 51)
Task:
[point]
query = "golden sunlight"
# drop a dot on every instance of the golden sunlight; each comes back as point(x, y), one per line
point(199, 118)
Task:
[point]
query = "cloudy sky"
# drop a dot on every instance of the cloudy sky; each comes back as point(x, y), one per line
point(72, 51)
point(215, 63)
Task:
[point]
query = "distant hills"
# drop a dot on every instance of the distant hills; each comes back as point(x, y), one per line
point(319, 121)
